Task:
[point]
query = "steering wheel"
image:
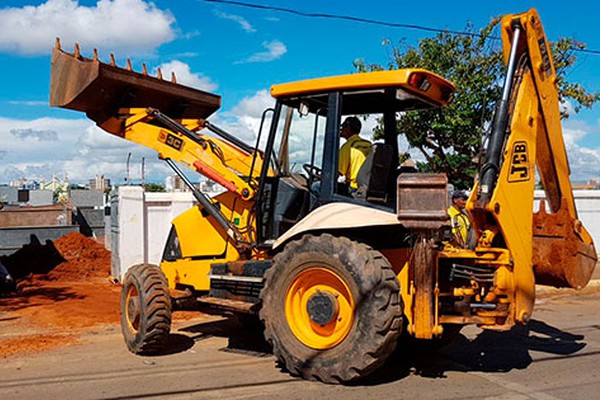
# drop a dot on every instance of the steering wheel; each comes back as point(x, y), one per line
point(314, 172)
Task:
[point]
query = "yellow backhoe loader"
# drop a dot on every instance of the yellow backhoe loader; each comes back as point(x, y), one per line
point(336, 275)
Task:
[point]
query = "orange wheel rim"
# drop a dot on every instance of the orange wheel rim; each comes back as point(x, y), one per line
point(132, 308)
point(307, 288)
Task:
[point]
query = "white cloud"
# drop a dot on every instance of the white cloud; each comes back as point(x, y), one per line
point(246, 26)
point(29, 103)
point(583, 161)
point(185, 76)
point(41, 135)
point(243, 121)
point(275, 49)
point(191, 35)
point(80, 150)
point(566, 107)
point(73, 148)
point(253, 106)
point(119, 26)
point(573, 135)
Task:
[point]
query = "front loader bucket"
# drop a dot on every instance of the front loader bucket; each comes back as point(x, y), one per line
point(100, 90)
point(563, 251)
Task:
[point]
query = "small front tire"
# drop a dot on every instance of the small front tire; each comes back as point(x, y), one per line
point(145, 310)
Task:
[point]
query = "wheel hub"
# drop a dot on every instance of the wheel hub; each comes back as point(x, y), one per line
point(322, 307)
point(319, 308)
point(133, 311)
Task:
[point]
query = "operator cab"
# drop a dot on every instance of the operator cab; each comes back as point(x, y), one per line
point(303, 141)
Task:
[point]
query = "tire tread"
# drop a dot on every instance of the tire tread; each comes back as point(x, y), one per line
point(155, 303)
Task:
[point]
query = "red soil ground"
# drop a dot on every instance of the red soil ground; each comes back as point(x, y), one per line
point(55, 307)
point(65, 292)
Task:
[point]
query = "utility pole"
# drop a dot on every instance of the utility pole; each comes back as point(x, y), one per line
point(127, 182)
point(144, 174)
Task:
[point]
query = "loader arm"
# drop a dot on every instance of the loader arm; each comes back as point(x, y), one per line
point(155, 113)
point(232, 167)
point(164, 116)
point(555, 249)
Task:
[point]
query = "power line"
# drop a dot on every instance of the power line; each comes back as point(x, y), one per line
point(341, 17)
point(364, 20)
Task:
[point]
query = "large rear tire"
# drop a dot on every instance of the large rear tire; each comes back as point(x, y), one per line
point(331, 308)
point(145, 309)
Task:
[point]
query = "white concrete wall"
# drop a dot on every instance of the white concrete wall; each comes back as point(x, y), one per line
point(588, 210)
point(160, 209)
point(143, 223)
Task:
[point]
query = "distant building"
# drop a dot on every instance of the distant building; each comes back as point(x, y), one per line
point(55, 184)
point(38, 198)
point(210, 188)
point(8, 194)
point(590, 185)
point(88, 211)
point(174, 183)
point(25, 184)
point(91, 199)
point(99, 183)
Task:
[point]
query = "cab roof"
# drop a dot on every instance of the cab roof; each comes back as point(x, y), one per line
point(372, 91)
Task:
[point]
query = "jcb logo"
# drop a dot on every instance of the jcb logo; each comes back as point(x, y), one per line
point(519, 163)
point(546, 68)
point(170, 140)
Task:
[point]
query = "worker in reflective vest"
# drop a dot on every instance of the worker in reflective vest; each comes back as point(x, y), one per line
point(462, 231)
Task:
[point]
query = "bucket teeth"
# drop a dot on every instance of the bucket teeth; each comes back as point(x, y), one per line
point(113, 62)
point(542, 208)
point(76, 81)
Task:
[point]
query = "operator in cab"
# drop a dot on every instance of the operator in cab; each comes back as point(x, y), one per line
point(353, 152)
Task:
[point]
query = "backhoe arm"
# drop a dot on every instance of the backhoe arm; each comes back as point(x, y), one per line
point(555, 249)
point(552, 162)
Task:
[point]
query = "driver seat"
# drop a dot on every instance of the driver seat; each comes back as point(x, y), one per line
point(374, 174)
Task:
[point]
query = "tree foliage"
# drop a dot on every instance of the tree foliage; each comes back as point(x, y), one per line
point(155, 187)
point(450, 138)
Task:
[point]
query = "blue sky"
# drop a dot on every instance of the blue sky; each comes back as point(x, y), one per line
point(236, 52)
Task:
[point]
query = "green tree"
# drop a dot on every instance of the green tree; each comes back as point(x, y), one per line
point(450, 138)
point(155, 187)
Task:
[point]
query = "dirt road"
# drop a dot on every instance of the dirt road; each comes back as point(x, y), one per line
point(556, 357)
point(60, 339)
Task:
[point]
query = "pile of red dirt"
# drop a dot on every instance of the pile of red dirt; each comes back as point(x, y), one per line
point(84, 259)
point(67, 291)
point(64, 292)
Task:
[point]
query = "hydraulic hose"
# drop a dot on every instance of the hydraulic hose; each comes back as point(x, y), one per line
point(490, 169)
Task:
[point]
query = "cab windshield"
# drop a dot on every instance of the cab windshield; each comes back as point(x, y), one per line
point(299, 141)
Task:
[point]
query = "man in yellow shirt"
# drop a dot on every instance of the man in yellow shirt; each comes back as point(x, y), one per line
point(354, 152)
point(461, 225)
